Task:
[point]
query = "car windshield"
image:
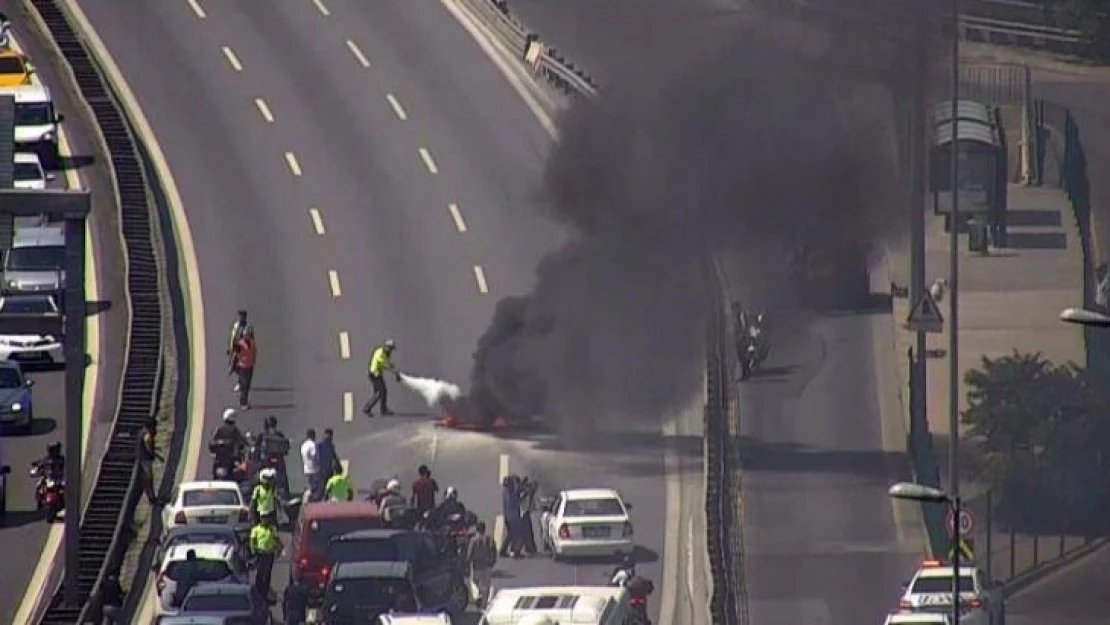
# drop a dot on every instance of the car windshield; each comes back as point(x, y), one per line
point(33, 304)
point(27, 172)
point(594, 507)
point(206, 602)
point(321, 531)
point(12, 65)
point(36, 114)
point(10, 378)
point(923, 585)
point(210, 497)
point(36, 258)
point(369, 550)
point(206, 570)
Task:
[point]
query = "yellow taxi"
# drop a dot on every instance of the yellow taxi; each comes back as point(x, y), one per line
point(15, 69)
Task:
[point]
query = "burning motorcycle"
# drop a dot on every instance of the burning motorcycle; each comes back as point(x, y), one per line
point(49, 492)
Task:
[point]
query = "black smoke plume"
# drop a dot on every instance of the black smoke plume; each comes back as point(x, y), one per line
point(742, 146)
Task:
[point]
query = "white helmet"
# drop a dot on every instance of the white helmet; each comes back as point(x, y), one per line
point(394, 486)
point(229, 415)
point(451, 494)
point(267, 474)
point(390, 344)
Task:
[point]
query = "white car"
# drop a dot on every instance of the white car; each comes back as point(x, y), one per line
point(30, 349)
point(215, 563)
point(29, 173)
point(930, 590)
point(917, 618)
point(587, 522)
point(217, 503)
point(414, 619)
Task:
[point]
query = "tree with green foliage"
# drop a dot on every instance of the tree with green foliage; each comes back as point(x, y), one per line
point(1042, 432)
point(1090, 17)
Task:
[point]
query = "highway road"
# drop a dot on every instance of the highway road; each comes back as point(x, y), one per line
point(352, 172)
point(1073, 595)
point(27, 542)
point(822, 542)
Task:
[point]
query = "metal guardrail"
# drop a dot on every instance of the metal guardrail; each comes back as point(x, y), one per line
point(989, 30)
point(527, 46)
point(109, 514)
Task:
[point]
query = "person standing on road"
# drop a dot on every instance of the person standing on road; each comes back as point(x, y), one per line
point(244, 354)
point(237, 328)
point(481, 556)
point(266, 546)
point(424, 490)
point(310, 464)
point(328, 457)
point(381, 361)
point(339, 487)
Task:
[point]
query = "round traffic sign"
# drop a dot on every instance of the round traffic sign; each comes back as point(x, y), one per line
point(967, 522)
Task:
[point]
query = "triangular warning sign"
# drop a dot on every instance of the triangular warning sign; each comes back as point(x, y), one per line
point(925, 316)
point(967, 551)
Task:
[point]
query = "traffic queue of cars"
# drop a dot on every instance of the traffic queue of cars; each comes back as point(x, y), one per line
point(927, 598)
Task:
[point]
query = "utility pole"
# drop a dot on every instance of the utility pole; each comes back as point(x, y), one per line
point(918, 163)
point(954, 308)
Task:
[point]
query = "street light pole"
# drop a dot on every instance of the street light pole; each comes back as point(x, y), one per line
point(953, 316)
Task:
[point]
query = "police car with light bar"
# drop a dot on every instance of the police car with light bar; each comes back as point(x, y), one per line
point(930, 590)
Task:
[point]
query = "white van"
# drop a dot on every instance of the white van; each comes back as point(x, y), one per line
point(566, 605)
point(36, 121)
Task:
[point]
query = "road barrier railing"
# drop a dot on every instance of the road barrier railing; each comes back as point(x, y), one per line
point(107, 525)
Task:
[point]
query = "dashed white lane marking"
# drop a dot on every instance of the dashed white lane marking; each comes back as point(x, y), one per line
point(456, 215)
point(294, 166)
point(480, 278)
point(344, 346)
point(333, 282)
point(321, 8)
point(317, 221)
point(229, 54)
point(348, 406)
point(429, 162)
point(264, 110)
point(397, 108)
point(359, 56)
point(195, 6)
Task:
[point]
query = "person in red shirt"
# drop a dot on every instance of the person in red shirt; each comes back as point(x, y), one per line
point(244, 357)
point(424, 490)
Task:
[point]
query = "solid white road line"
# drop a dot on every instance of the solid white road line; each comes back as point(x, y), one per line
point(359, 56)
point(264, 110)
point(397, 108)
point(294, 166)
point(480, 278)
point(502, 468)
point(317, 221)
point(429, 162)
point(194, 297)
point(321, 8)
point(344, 345)
point(348, 406)
point(456, 215)
point(333, 282)
point(195, 6)
point(229, 54)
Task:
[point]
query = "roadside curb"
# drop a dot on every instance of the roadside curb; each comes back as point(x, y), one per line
point(1016, 585)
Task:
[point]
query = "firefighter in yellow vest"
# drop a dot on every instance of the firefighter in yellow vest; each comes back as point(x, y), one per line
point(381, 361)
point(266, 546)
point(339, 487)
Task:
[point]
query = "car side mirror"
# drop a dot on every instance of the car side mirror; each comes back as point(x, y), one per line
point(30, 383)
point(627, 506)
point(905, 585)
point(59, 118)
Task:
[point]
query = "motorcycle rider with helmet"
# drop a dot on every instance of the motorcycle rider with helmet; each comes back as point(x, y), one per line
point(450, 506)
point(53, 465)
point(228, 445)
point(266, 499)
point(274, 447)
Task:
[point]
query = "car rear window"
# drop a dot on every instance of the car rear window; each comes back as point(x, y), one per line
point(206, 570)
point(321, 531)
point(199, 539)
point(923, 585)
point(210, 497)
point(216, 603)
point(11, 65)
point(366, 592)
point(593, 507)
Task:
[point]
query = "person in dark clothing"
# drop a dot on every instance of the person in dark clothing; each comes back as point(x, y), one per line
point(327, 456)
point(527, 505)
point(146, 455)
point(187, 575)
point(111, 600)
point(444, 511)
point(424, 490)
point(510, 510)
point(294, 604)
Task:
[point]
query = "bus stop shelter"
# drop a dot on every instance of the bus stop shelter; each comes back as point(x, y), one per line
point(981, 150)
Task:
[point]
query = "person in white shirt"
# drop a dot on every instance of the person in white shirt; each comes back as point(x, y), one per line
point(311, 465)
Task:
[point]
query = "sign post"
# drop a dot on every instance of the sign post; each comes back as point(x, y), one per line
point(967, 523)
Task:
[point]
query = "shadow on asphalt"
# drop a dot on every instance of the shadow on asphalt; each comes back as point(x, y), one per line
point(94, 308)
point(40, 426)
point(19, 518)
point(797, 458)
point(74, 162)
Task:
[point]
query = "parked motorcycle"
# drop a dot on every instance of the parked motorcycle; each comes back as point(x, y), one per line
point(639, 588)
point(49, 493)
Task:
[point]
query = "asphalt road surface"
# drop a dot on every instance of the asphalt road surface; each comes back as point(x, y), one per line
point(23, 534)
point(821, 538)
point(1073, 595)
point(319, 153)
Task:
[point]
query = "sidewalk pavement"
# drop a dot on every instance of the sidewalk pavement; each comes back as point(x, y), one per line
point(1009, 299)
